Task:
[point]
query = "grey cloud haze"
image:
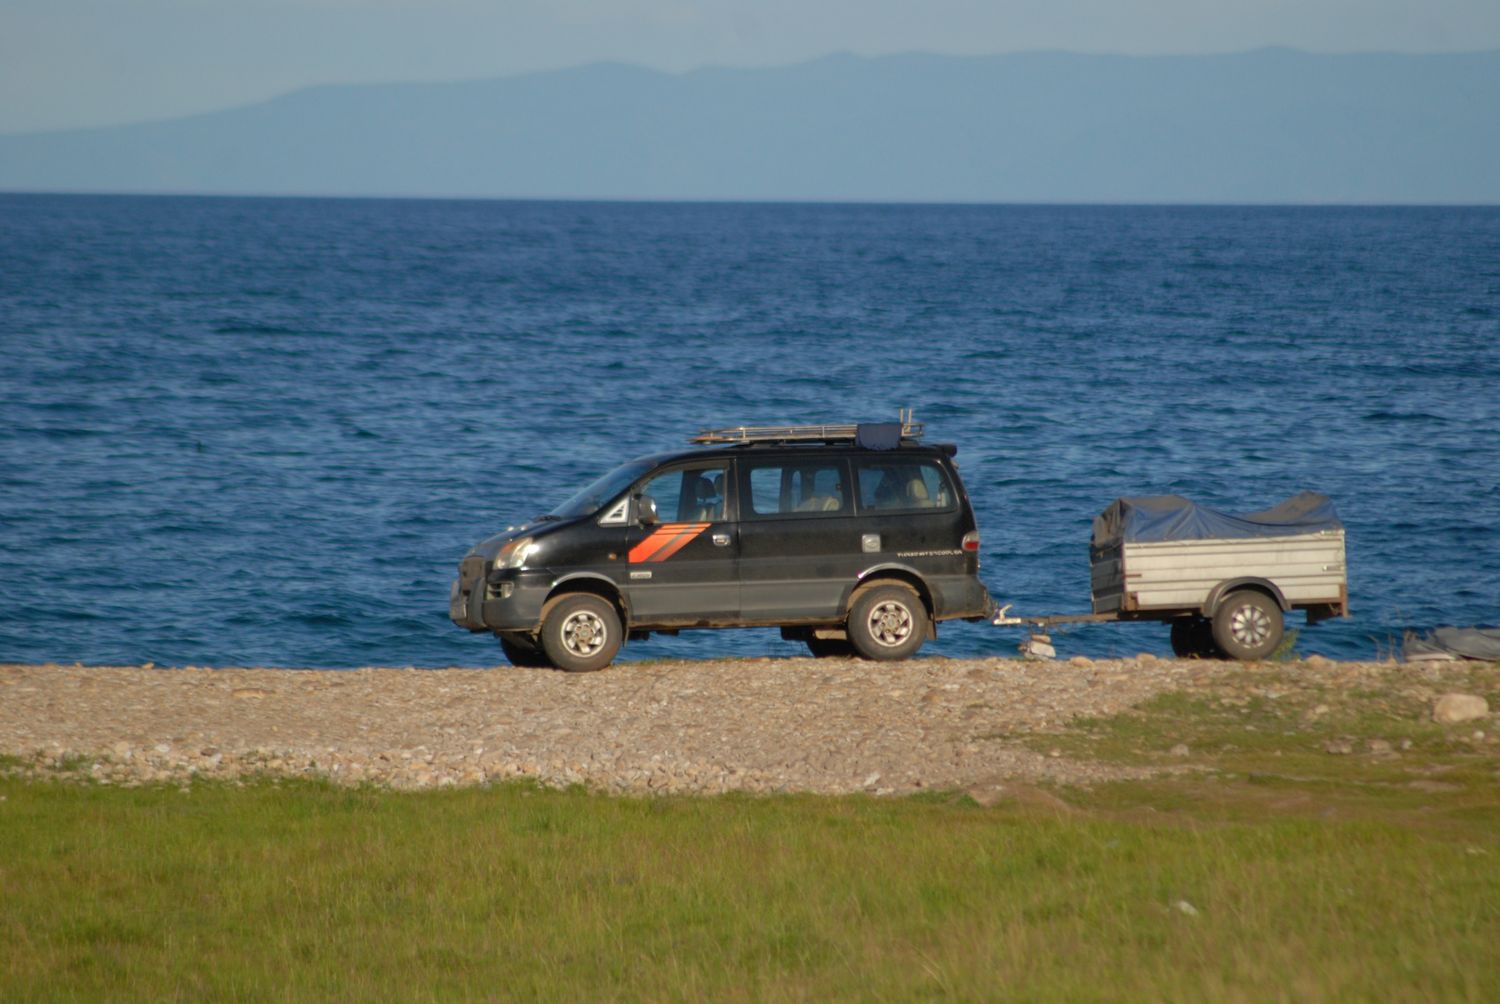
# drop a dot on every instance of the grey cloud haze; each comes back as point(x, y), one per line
point(66, 63)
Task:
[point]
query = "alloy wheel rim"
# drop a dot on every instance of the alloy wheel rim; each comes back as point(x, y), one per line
point(890, 623)
point(584, 633)
point(1250, 626)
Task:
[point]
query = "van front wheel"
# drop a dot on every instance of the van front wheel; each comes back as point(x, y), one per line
point(887, 622)
point(581, 633)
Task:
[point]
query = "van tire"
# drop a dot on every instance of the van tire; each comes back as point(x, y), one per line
point(523, 652)
point(1247, 625)
point(581, 633)
point(887, 622)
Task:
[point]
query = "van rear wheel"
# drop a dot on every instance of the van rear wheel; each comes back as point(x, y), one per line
point(581, 633)
point(1247, 625)
point(887, 622)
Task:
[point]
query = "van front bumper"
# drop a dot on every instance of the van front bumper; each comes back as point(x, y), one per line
point(506, 600)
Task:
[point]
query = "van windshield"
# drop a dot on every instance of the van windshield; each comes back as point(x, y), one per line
point(594, 495)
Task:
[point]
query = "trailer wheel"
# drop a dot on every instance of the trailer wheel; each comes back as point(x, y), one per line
point(522, 651)
point(581, 633)
point(887, 622)
point(1193, 638)
point(1248, 625)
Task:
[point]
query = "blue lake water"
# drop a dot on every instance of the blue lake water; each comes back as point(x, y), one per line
point(263, 431)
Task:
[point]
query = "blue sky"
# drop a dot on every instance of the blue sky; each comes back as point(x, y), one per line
point(66, 63)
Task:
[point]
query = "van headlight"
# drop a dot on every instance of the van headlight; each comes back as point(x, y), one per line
point(515, 553)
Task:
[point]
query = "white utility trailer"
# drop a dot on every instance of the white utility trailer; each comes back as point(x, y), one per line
point(1223, 582)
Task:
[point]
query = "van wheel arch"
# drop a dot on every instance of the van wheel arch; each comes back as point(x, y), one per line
point(601, 588)
point(893, 577)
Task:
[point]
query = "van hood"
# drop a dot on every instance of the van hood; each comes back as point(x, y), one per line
point(538, 528)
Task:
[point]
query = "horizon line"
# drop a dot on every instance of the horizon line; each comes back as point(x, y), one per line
point(790, 202)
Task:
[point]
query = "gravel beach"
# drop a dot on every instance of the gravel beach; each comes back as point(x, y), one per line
point(765, 725)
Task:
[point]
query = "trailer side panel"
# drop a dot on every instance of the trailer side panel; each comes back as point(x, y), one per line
point(1309, 569)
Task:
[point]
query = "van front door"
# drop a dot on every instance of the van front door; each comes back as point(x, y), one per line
point(684, 568)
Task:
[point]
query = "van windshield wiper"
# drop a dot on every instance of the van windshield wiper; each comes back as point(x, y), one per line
point(547, 518)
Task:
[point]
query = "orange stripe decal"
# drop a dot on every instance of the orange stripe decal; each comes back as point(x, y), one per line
point(687, 538)
point(650, 545)
point(664, 536)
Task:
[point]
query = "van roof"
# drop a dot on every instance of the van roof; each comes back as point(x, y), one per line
point(804, 447)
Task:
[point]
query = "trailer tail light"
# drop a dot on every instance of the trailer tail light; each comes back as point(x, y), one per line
point(971, 540)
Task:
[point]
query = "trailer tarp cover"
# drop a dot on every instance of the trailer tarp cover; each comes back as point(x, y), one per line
point(1152, 518)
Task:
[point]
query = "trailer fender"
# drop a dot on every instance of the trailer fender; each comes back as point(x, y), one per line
point(1217, 594)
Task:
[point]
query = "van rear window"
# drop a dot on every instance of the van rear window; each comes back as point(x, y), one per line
point(895, 485)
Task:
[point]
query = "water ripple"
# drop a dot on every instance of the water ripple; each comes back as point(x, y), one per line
point(265, 430)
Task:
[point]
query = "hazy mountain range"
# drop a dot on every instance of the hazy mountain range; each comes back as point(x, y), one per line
point(1273, 125)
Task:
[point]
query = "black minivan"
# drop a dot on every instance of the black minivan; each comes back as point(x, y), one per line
point(856, 539)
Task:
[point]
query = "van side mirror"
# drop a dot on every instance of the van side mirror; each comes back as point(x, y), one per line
point(645, 510)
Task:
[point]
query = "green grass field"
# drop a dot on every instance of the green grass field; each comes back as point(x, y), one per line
point(306, 892)
point(1270, 870)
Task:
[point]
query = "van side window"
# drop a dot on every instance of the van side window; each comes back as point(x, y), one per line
point(694, 494)
point(897, 485)
point(809, 487)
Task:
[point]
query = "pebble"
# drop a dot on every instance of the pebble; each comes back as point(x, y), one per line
point(1451, 709)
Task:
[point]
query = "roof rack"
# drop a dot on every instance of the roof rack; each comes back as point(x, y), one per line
point(910, 429)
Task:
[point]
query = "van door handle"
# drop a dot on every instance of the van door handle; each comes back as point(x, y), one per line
point(721, 540)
